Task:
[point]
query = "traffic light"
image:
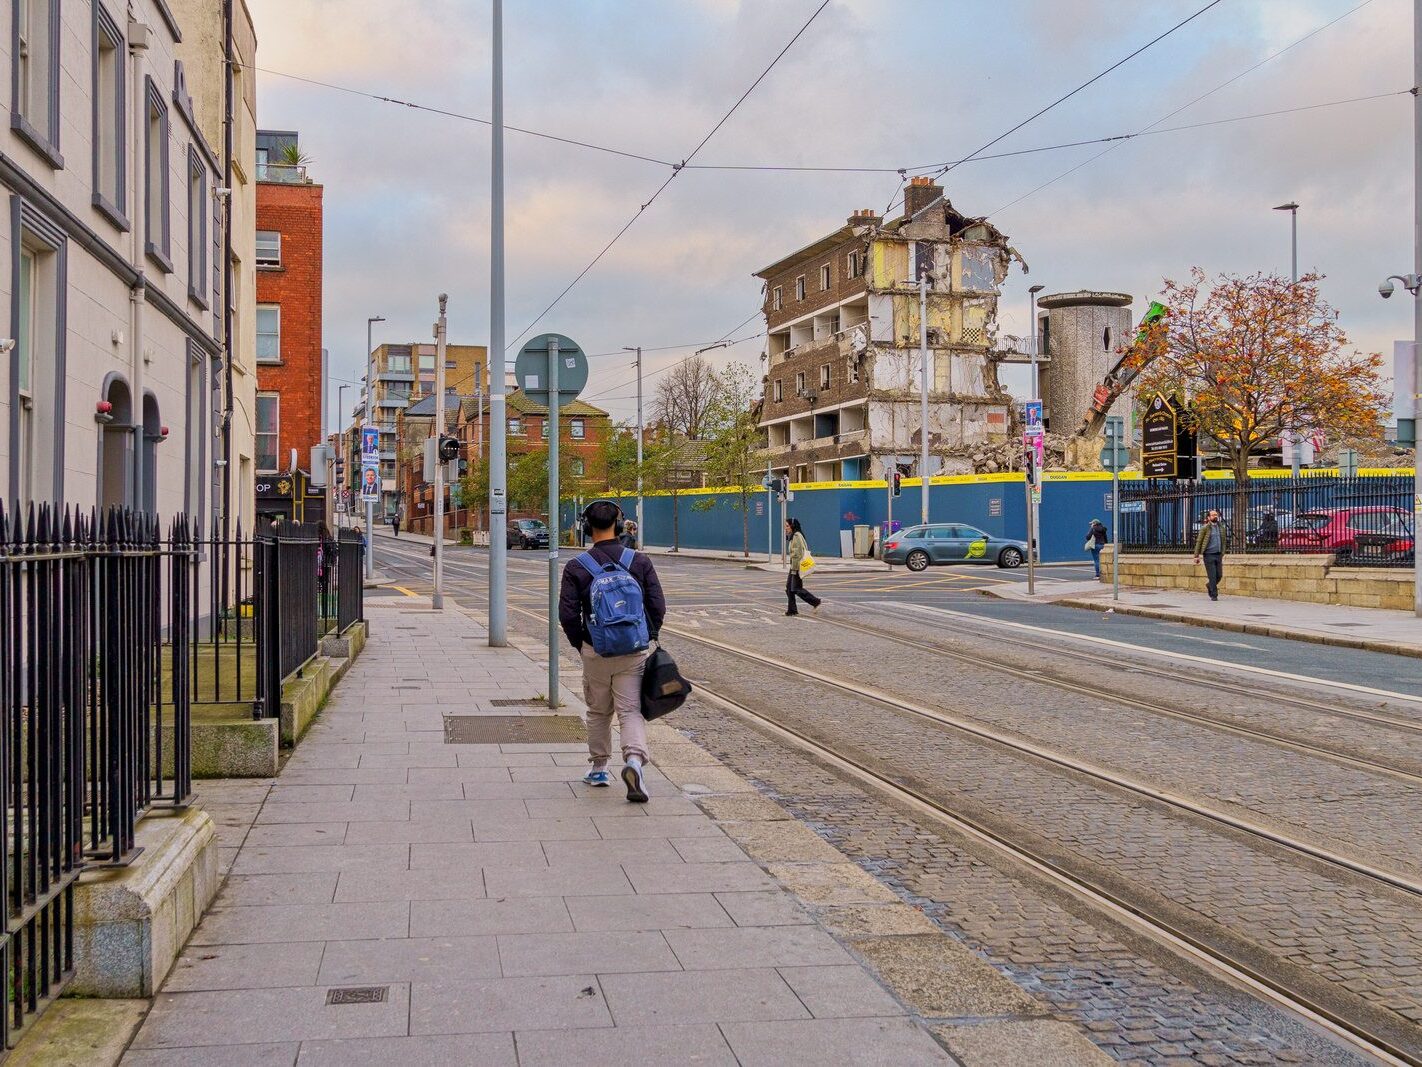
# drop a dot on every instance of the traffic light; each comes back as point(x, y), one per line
point(462, 470)
point(898, 483)
point(448, 449)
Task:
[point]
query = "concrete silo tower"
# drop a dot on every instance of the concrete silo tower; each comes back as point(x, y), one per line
point(1081, 333)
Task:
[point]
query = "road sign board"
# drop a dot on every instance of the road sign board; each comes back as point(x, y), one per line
point(1133, 507)
point(1158, 439)
point(995, 507)
point(531, 369)
point(1115, 457)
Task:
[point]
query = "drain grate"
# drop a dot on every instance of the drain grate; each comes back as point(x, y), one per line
point(360, 994)
point(513, 729)
point(519, 702)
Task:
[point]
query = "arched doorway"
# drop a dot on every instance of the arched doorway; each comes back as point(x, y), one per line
point(152, 436)
point(116, 444)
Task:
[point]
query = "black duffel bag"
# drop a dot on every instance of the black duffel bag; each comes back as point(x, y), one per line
point(663, 688)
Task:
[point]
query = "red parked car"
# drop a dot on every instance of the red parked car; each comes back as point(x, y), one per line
point(1376, 533)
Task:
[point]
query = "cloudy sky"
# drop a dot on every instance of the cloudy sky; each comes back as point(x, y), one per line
point(871, 83)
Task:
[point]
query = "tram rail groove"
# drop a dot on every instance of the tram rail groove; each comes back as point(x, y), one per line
point(1051, 757)
point(1000, 630)
point(1161, 931)
point(1046, 677)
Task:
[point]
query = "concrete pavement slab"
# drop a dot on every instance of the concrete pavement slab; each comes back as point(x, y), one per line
point(522, 915)
point(410, 959)
point(654, 911)
point(305, 888)
point(697, 877)
point(636, 850)
point(235, 966)
point(755, 946)
point(700, 1045)
point(565, 1002)
point(266, 1055)
point(708, 850)
point(840, 992)
point(486, 1050)
point(856, 1042)
point(376, 885)
point(770, 907)
point(585, 953)
point(557, 882)
point(258, 859)
point(1021, 1044)
point(266, 1015)
point(546, 830)
point(411, 832)
point(700, 997)
point(302, 922)
point(477, 854)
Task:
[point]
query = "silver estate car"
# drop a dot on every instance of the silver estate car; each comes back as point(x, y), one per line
point(951, 542)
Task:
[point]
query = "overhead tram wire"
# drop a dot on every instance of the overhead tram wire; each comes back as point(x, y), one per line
point(676, 170)
point(1184, 107)
point(685, 359)
point(461, 116)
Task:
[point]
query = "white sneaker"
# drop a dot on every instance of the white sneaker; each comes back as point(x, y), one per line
point(632, 778)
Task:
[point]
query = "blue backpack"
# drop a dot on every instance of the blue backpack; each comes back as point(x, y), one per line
point(618, 624)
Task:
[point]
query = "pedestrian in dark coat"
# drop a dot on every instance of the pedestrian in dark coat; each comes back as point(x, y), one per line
point(1096, 537)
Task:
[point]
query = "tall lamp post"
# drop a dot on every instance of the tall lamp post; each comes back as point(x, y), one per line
point(341, 434)
point(641, 526)
point(369, 421)
point(1034, 513)
point(1292, 208)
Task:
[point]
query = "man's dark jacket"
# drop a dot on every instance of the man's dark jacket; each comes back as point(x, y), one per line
point(575, 607)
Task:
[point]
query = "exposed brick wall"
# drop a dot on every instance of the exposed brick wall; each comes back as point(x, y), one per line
point(295, 211)
point(842, 286)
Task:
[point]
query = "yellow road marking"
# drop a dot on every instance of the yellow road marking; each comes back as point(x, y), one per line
point(402, 589)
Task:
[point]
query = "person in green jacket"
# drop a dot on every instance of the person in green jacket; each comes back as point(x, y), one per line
point(794, 584)
point(1210, 546)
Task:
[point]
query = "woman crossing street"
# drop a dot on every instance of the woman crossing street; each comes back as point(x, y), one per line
point(794, 583)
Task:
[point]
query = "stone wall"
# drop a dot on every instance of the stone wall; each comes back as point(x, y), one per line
point(1311, 579)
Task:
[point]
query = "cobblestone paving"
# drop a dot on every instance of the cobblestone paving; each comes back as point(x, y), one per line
point(1360, 941)
point(1370, 815)
point(1139, 1010)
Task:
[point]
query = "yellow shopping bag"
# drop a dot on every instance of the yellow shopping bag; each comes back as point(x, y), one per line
point(807, 564)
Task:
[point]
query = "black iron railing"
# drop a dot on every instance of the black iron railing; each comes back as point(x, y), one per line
point(1363, 521)
point(305, 585)
point(92, 608)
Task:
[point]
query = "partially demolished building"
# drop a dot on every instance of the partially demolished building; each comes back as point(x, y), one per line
point(843, 373)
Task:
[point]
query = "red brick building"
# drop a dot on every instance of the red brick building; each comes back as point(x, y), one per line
point(290, 367)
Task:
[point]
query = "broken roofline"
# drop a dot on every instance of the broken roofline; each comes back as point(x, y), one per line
point(954, 219)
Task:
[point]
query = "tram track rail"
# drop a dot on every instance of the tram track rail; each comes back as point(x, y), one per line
point(1049, 678)
point(1161, 931)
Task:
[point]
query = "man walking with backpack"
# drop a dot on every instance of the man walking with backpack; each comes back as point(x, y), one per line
point(611, 608)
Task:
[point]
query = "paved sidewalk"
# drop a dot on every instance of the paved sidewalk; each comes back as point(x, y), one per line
point(396, 899)
point(1371, 629)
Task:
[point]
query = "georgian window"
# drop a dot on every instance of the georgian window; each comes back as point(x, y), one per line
point(110, 135)
point(158, 240)
point(34, 111)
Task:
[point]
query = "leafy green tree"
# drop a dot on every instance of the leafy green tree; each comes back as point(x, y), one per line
point(733, 443)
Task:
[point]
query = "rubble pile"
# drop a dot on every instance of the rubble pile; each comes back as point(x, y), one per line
point(992, 457)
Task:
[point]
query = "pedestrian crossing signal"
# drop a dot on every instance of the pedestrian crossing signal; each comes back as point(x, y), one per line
point(898, 483)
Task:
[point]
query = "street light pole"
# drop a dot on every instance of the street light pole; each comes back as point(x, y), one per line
point(923, 387)
point(498, 546)
point(366, 422)
point(1292, 208)
point(1034, 508)
point(641, 526)
point(341, 441)
point(441, 343)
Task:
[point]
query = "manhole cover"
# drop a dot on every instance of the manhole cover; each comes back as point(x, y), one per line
point(519, 702)
point(511, 729)
point(361, 994)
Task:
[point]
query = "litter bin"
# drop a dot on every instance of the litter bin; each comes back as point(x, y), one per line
point(863, 541)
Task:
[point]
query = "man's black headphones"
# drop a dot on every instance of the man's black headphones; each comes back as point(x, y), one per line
point(618, 525)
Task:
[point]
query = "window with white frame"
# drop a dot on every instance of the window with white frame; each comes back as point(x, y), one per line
point(268, 433)
point(779, 390)
point(268, 333)
point(197, 227)
point(269, 255)
point(157, 232)
point(580, 469)
point(109, 114)
point(777, 298)
point(824, 277)
point(36, 99)
point(825, 376)
point(800, 288)
point(855, 262)
point(37, 395)
point(577, 428)
point(516, 427)
point(26, 341)
point(545, 429)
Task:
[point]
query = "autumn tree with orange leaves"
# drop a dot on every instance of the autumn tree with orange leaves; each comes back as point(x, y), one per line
point(1255, 356)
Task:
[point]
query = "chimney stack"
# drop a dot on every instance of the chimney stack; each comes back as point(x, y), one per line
point(865, 216)
point(920, 192)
